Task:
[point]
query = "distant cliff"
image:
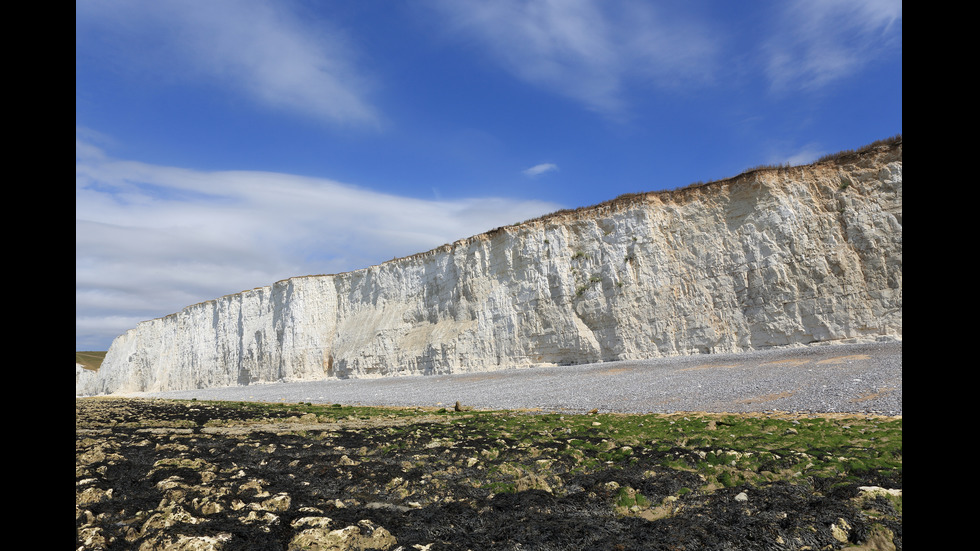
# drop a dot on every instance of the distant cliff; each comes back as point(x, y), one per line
point(772, 257)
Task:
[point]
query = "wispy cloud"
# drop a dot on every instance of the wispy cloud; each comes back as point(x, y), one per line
point(277, 57)
point(815, 43)
point(586, 50)
point(793, 154)
point(602, 53)
point(152, 239)
point(539, 169)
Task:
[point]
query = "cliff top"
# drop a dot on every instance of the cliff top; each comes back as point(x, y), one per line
point(864, 154)
point(841, 158)
point(90, 360)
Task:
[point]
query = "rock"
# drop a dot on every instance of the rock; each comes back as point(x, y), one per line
point(277, 503)
point(284, 490)
point(303, 523)
point(208, 508)
point(774, 257)
point(879, 539)
point(182, 542)
point(92, 537)
point(873, 490)
point(166, 517)
point(261, 517)
point(531, 481)
point(89, 496)
point(840, 530)
point(363, 536)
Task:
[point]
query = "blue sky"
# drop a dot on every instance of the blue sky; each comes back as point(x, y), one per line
point(225, 145)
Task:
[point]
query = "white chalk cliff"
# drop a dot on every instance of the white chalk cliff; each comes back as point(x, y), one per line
point(772, 257)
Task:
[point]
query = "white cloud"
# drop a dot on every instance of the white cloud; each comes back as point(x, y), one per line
point(584, 49)
point(150, 240)
point(278, 58)
point(539, 169)
point(603, 52)
point(815, 43)
point(805, 155)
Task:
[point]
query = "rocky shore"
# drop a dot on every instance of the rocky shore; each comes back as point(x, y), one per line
point(189, 475)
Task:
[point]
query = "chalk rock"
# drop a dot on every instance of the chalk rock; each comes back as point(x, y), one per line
point(773, 257)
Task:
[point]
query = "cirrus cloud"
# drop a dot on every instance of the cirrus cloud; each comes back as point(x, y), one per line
point(266, 50)
point(587, 50)
point(815, 43)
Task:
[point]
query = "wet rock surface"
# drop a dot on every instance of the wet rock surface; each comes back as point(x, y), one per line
point(159, 474)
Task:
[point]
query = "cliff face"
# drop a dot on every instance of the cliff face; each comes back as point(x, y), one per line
point(773, 257)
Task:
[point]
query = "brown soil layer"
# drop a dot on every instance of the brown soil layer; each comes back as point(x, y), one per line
point(158, 474)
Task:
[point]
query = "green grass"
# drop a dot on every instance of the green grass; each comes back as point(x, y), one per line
point(627, 497)
point(91, 360)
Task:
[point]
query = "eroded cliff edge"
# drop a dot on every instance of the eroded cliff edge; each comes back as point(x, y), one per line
point(772, 257)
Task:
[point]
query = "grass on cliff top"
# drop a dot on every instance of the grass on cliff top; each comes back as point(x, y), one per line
point(726, 450)
point(91, 360)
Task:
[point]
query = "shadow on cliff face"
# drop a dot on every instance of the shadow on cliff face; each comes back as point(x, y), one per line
point(161, 475)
